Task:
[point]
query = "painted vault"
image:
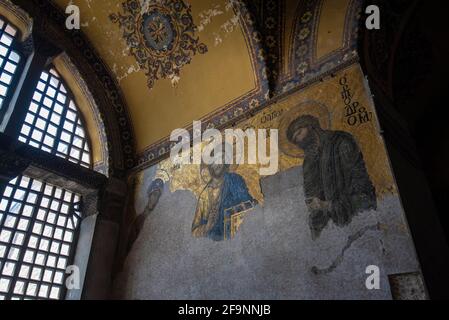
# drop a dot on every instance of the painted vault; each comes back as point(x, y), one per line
point(161, 36)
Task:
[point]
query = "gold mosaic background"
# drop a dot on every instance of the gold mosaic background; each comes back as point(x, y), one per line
point(322, 99)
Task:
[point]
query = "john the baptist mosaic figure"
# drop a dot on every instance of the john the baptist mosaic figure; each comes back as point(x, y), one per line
point(336, 183)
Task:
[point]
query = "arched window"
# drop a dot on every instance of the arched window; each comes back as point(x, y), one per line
point(53, 123)
point(40, 221)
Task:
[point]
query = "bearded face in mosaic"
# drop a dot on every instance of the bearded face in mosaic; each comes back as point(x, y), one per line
point(336, 183)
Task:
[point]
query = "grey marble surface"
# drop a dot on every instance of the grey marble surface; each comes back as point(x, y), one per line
point(272, 255)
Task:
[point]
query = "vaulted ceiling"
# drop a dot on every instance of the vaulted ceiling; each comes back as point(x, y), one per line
point(202, 71)
point(177, 61)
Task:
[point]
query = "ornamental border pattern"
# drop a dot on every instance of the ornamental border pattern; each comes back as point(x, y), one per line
point(303, 64)
point(256, 110)
point(118, 125)
point(227, 115)
point(168, 60)
point(315, 71)
point(270, 21)
point(101, 166)
point(49, 21)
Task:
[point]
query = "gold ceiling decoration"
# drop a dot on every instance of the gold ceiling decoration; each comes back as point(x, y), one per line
point(161, 36)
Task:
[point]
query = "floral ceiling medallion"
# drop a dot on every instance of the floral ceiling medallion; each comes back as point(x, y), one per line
point(160, 35)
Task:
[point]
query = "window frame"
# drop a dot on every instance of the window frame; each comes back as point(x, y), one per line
point(70, 97)
point(24, 247)
point(48, 167)
point(16, 46)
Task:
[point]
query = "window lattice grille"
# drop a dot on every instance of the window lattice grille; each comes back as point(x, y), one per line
point(39, 223)
point(53, 123)
point(9, 60)
point(38, 231)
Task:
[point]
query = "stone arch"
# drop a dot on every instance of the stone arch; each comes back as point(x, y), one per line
point(49, 23)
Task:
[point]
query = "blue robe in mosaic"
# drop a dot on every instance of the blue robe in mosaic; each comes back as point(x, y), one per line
point(233, 194)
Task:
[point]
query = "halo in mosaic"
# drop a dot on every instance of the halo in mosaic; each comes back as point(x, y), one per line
point(161, 36)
